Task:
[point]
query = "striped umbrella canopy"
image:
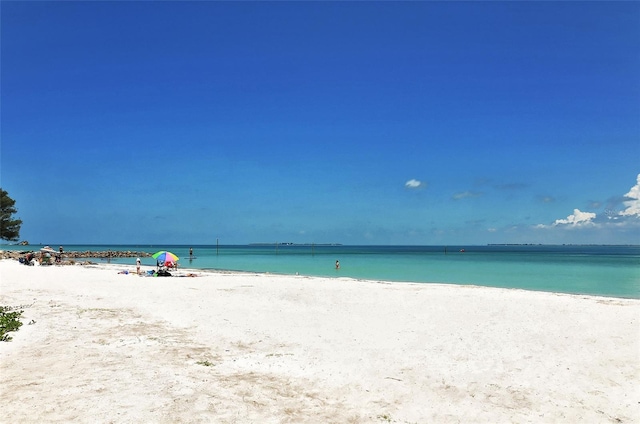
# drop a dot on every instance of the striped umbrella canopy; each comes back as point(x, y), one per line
point(164, 256)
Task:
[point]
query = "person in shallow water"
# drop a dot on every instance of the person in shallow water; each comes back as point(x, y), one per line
point(337, 264)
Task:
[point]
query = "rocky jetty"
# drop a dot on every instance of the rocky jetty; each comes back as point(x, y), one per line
point(70, 255)
point(12, 254)
point(105, 254)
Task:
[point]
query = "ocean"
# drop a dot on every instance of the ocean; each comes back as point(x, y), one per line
point(593, 270)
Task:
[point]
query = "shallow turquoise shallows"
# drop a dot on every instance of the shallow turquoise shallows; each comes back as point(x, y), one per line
point(594, 270)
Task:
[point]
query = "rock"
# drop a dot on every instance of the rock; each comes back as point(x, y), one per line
point(15, 254)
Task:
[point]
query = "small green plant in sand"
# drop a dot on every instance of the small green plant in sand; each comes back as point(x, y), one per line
point(205, 363)
point(387, 419)
point(9, 321)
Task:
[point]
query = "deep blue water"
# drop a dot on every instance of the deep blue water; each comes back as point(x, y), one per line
point(596, 270)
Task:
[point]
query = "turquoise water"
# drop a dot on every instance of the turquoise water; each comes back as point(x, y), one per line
point(596, 270)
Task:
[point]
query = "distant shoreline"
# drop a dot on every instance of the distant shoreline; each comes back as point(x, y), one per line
point(291, 244)
point(563, 244)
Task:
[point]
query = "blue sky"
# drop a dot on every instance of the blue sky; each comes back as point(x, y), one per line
point(346, 122)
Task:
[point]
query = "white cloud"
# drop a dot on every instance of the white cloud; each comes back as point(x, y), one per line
point(633, 204)
point(612, 226)
point(578, 219)
point(413, 184)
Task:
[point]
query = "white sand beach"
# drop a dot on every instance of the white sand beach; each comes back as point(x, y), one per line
point(101, 347)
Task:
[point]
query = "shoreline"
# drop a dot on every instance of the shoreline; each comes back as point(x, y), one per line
point(214, 271)
point(260, 347)
point(606, 273)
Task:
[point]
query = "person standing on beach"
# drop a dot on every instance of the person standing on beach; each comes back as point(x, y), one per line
point(138, 266)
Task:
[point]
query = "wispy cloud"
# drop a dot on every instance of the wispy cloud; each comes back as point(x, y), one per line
point(413, 184)
point(547, 199)
point(595, 204)
point(466, 194)
point(512, 186)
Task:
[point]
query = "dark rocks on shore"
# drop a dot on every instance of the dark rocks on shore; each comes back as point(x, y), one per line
point(15, 254)
point(105, 254)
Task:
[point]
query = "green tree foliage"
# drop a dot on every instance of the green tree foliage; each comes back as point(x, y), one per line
point(9, 227)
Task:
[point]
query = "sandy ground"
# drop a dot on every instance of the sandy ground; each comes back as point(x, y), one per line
point(101, 347)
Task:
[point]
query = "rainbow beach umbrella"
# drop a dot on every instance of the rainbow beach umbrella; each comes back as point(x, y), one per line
point(164, 257)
